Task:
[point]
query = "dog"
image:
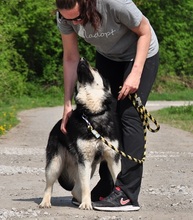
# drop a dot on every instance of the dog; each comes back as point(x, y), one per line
point(72, 158)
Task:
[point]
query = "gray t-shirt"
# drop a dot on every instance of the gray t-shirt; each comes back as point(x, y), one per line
point(114, 39)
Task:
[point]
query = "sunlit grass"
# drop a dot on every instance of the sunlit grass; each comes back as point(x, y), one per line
point(10, 108)
point(172, 96)
point(8, 119)
point(179, 117)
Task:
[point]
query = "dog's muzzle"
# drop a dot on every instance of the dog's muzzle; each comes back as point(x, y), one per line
point(83, 71)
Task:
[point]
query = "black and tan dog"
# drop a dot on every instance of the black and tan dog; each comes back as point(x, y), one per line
point(72, 157)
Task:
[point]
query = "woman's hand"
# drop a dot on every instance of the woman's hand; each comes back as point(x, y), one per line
point(130, 85)
point(66, 115)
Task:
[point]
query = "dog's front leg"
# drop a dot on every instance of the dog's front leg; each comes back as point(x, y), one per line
point(114, 163)
point(114, 168)
point(84, 177)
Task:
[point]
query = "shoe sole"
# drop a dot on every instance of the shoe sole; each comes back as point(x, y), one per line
point(76, 203)
point(118, 209)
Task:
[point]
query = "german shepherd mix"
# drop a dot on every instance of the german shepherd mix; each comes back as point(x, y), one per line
point(72, 157)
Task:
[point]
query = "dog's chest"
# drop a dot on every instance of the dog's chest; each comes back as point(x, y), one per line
point(91, 148)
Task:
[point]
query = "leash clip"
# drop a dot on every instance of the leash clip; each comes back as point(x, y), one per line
point(93, 131)
point(86, 120)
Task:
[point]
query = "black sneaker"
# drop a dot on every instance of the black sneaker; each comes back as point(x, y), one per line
point(103, 188)
point(75, 202)
point(117, 201)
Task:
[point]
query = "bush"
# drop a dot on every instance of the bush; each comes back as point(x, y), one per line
point(32, 28)
point(31, 47)
point(173, 24)
point(13, 69)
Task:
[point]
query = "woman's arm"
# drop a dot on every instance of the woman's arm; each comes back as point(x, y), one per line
point(70, 62)
point(132, 82)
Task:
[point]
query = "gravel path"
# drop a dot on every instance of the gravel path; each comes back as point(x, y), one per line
point(167, 187)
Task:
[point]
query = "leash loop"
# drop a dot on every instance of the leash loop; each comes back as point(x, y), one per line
point(144, 114)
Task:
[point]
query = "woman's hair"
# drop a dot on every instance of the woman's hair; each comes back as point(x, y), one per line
point(87, 10)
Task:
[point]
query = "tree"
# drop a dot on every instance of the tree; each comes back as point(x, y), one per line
point(173, 23)
point(13, 68)
point(31, 47)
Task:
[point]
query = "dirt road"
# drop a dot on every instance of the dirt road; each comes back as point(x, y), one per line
point(167, 187)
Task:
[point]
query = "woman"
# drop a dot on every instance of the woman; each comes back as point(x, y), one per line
point(127, 55)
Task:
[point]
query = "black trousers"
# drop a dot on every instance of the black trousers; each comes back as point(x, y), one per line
point(130, 177)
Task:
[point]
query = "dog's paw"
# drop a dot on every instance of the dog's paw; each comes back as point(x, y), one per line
point(44, 204)
point(85, 206)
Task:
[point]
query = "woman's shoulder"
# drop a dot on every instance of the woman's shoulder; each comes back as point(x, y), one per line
point(115, 2)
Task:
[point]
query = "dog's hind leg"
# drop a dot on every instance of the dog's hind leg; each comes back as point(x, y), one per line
point(52, 172)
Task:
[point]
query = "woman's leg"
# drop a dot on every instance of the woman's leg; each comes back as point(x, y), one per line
point(114, 72)
point(129, 179)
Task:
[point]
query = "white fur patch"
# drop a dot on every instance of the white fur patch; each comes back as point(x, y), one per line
point(92, 95)
point(88, 148)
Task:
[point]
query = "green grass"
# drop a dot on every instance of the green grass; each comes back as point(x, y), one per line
point(179, 117)
point(10, 108)
point(166, 88)
point(172, 88)
point(172, 96)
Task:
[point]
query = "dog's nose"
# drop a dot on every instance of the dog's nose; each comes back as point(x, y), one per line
point(82, 59)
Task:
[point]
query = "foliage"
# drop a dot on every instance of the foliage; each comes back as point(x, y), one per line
point(30, 45)
point(39, 97)
point(13, 69)
point(7, 120)
point(179, 117)
point(173, 23)
point(35, 36)
point(31, 48)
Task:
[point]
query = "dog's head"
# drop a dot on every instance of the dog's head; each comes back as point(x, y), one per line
point(92, 91)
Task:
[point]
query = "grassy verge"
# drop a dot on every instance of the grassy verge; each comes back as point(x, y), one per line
point(10, 109)
point(172, 88)
point(178, 117)
point(164, 89)
point(172, 96)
